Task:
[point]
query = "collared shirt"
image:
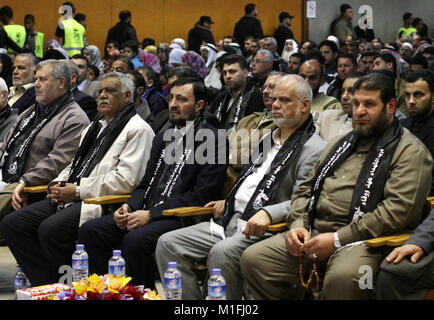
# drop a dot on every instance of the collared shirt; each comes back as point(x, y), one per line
point(249, 185)
point(16, 93)
point(82, 84)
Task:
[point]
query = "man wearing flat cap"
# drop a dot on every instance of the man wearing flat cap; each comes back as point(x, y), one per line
point(283, 32)
point(200, 34)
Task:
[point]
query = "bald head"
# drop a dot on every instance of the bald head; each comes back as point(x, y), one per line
point(310, 70)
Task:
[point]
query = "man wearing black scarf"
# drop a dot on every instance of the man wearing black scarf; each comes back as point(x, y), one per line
point(260, 196)
point(173, 178)
point(44, 138)
point(368, 183)
point(111, 159)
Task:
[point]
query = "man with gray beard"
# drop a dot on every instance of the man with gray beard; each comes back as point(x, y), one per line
point(259, 197)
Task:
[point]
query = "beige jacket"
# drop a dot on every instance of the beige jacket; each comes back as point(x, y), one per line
point(120, 170)
point(332, 123)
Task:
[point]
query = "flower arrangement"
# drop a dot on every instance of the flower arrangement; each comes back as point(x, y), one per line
point(107, 287)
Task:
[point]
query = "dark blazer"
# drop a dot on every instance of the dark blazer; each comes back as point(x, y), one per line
point(197, 185)
point(122, 32)
point(197, 35)
point(248, 25)
point(423, 236)
point(27, 100)
point(86, 102)
point(424, 134)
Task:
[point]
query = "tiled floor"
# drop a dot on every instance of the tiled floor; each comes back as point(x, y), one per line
point(8, 267)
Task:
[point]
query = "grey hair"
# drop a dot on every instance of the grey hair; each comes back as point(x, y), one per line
point(73, 69)
point(272, 40)
point(268, 55)
point(127, 85)
point(33, 60)
point(302, 87)
point(3, 85)
point(59, 69)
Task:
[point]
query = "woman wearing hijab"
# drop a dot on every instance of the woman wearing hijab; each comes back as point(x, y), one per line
point(150, 60)
point(163, 54)
point(6, 69)
point(175, 57)
point(291, 47)
point(193, 60)
point(93, 55)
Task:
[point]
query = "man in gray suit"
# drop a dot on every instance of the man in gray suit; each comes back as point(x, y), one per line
point(259, 197)
point(408, 271)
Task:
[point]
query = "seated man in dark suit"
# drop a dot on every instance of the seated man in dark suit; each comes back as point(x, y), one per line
point(408, 271)
point(419, 94)
point(173, 178)
point(22, 94)
point(86, 102)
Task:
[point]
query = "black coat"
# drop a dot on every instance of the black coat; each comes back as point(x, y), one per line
point(197, 36)
point(86, 102)
point(281, 34)
point(197, 185)
point(425, 133)
point(27, 100)
point(248, 25)
point(122, 32)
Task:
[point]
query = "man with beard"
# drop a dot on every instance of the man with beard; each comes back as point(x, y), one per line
point(111, 159)
point(311, 71)
point(332, 123)
point(240, 98)
point(368, 183)
point(259, 197)
point(173, 179)
point(419, 97)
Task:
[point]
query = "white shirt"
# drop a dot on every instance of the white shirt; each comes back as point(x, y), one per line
point(82, 84)
point(249, 185)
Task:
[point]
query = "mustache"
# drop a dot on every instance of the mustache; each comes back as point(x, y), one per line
point(106, 101)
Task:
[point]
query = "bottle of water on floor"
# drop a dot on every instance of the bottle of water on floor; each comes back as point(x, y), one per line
point(80, 263)
point(116, 265)
point(20, 281)
point(216, 285)
point(173, 282)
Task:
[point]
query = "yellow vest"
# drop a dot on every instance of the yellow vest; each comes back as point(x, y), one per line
point(73, 42)
point(39, 45)
point(17, 34)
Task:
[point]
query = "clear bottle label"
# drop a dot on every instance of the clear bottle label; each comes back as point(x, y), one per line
point(216, 291)
point(117, 270)
point(172, 283)
point(80, 264)
point(20, 282)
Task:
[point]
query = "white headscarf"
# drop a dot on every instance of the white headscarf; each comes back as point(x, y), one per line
point(175, 56)
point(212, 53)
point(286, 54)
point(213, 78)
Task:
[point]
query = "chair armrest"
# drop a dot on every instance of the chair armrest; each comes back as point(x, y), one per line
point(187, 211)
point(36, 189)
point(277, 227)
point(393, 241)
point(108, 199)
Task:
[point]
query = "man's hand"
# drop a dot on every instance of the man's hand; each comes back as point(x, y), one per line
point(121, 216)
point(400, 253)
point(65, 194)
point(19, 197)
point(138, 219)
point(322, 246)
point(294, 241)
point(218, 207)
point(257, 224)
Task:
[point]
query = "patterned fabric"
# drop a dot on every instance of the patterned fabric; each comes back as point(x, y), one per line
point(151, 60)
point(195, 61)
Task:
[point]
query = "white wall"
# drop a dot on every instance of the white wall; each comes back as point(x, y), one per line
point(387, 16)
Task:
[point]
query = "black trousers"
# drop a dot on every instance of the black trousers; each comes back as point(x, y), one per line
point(42, 239)
point(100, 236)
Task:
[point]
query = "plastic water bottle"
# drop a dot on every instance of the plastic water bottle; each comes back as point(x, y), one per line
point(173, 282)
point(80, 263)
point(116, 265)
point(20, 281)
point(216, 285)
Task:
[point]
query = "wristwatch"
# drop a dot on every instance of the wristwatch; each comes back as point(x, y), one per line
point(77, 191)
point(336, 241)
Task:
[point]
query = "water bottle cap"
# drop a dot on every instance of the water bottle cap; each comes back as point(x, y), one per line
point(117, 252)
point(79, 246)
point(172, 264)
point(216, 271)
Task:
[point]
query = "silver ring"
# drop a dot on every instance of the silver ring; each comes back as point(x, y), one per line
point(314, 256)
